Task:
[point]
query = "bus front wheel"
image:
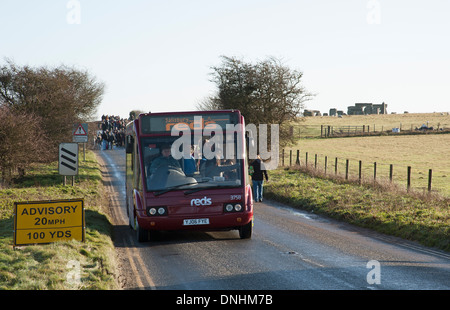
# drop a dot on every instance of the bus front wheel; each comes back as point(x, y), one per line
point(245, 232)
point(142, 234)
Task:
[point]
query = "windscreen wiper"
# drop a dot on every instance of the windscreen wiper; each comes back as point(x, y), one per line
point(203, 188)
point(171, 189)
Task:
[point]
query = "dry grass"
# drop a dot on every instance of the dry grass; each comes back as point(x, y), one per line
point(310, 127)
point(421, 152)
point(46, 266)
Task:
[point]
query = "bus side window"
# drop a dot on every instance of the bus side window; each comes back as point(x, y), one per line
point(129, 150)
point(129, 144)
point(139, 170)
point(149, 155)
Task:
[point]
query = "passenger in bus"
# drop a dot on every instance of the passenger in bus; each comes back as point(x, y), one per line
point(208, 166)
point(165, 160)
point(190, 166)
point(217, 165)
point(230, 175)
point(211, 167)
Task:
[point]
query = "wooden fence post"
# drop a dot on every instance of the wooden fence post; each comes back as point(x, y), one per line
point(360, 170)
point(315, 162)
point(290, 158)
point(346, 169)
point(408, 181)
point(374, 172)
point(297, 161)
point(326, 159)
point(391, 172)
point(335, 165)
point(430, 173)
point(282, 159)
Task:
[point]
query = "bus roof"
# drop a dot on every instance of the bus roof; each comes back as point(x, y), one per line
point(162, 123)
point(191, 112)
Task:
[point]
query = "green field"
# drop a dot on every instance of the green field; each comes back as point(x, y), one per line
point(311, 126)
point(387, 208)
point(421, 152)
point(38, 267)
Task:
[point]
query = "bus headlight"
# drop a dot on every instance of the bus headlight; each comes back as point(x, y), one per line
point(157, 211)
point(229, 207)
point(238, 207)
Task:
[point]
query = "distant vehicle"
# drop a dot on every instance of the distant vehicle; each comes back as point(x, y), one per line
point(424, 128)
point(194, 192)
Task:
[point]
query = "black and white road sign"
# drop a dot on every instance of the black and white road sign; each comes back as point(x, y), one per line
point(68, 159)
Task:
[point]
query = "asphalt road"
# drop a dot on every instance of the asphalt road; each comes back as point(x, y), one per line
point(289, 250)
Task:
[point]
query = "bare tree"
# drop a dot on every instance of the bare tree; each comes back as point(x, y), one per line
point(134, 114)
point(21, 142)
point(267, 92)
point(38, 107)
point(58, 96)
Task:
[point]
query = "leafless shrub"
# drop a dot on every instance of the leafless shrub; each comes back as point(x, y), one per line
point(21, 142)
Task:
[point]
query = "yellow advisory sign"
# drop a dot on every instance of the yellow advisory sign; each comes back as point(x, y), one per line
point(48, 221)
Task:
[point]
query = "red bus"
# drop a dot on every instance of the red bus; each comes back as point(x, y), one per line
point(188, 171)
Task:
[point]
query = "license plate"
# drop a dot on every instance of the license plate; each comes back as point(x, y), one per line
point(195, 222)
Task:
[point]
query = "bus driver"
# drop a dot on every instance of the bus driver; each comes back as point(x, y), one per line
point(165, 160)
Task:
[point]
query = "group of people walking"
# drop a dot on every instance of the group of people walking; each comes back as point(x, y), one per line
point(112, 132)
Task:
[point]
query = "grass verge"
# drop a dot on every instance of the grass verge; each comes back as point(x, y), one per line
point(48, 266)
point(420, 152)
point(395, 213)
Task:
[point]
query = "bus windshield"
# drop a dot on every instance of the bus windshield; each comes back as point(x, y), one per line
point(164, 173)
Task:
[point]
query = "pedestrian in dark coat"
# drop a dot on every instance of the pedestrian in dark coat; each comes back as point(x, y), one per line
point(258, 179)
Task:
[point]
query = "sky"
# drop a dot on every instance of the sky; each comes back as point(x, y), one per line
point(157, 55)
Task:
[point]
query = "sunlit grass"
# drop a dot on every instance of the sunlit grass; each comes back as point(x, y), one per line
point(426, 220)
point(422, 153)
point(46, 266)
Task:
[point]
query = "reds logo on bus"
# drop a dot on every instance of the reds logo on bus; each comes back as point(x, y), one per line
point(205, 201)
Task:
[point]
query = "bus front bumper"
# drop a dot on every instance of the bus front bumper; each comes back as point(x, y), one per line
point(206, 222)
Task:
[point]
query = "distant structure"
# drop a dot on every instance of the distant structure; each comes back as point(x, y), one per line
point(336, 112)
point(357, 109)
point(367, 108)
point(311, 113)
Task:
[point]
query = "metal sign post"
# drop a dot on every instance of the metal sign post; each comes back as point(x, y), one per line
point(80, 135)
point(68, 160)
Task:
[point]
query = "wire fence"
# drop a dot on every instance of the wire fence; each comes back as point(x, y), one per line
point(408, 177)
point(328, 131)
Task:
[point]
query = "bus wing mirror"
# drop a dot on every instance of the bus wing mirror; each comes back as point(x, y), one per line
point(249, 140)
point(250, 144)
point(129, 144)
